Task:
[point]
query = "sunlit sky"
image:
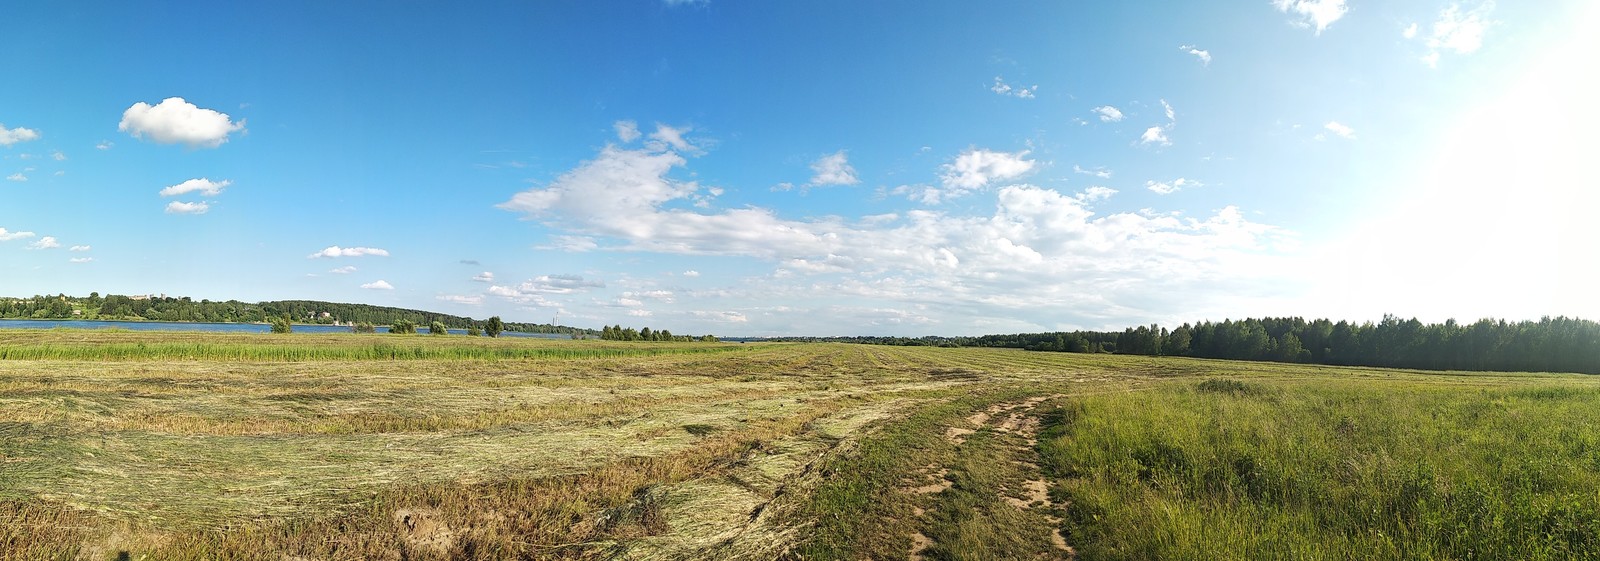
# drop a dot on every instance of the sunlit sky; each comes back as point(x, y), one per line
point(810, 168)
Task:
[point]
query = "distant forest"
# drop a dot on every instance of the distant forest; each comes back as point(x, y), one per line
point(1549, 345)
point(163, 308)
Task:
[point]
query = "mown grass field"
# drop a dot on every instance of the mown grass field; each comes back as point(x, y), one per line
point(300, 447)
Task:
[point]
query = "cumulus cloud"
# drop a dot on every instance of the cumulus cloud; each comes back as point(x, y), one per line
point(13, 136)
point(1031, 254)
point(345, 270)
point(1318, 14)
point(378, 285)
point(46, 242)
point(176, 121)
point(1108, 113)
point(1096, 193)
point(7, 235)
point(206, 187)
point(691, 273)
point(1342, 130)
point(1410, 32)
point(1456, 31)
point(18, 177)
point(485, 276)
point(1001, 87)
point(1203, 55)
point(180, 207)
point(1169, 187)
point(1155, 135)
point(833, 169)
point(976, 168)
point(79, 248)
point(336, 251)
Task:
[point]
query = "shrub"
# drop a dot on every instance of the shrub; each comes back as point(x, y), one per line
point(281, 325)
point(437, 328)
point(403, 327)
point(363, 327)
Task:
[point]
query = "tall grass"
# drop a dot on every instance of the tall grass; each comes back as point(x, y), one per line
point(1225, 469)
point(280, 349)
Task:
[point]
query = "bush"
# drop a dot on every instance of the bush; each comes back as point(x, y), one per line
point(281, 325)
point(363, 327)
point(437, 328)
point(473, 331)
point(403, 327)
point(494, 327)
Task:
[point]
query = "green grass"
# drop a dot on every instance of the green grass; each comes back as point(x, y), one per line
point(1332, 469)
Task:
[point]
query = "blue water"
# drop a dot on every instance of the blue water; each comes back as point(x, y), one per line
point(216, 327)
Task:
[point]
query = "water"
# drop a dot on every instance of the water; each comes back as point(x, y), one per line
point(217, 327)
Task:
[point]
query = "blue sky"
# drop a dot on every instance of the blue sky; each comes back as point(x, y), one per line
point(827, 168)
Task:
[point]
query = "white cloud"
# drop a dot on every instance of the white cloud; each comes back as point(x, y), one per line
point(378, 285)
point(640, 313)
point(79, 248)
point(575, 244)
point(58, 156)
point(80, 260)
point(18, 177)
point(179, 207)
point(1001, 87)
point(175, 121)
point(1155, 135)
point(1457, 31)
point(6, 235)
point(13, 136)
point(691, 273)
point(627, 131)
point(1318, 14)
point(1342, 130)
point(1167, 188)
point(976, 168)
point(345, 270)
point(833, 169)
point(46, 242)
point(1036, 256)
point(1099, 172)
point(720, 316)
point(336, 251)
point(459, 299)
point(206, 187)
point(1108, 113)
point(485, 276)
point(676, 3)
point(104, 145)
point(1203, 55)
point(1096, 193)
point(1172, 116)
point(1410, 32)
point(669, 138)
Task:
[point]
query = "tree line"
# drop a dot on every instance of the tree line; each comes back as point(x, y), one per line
point(185, 309)
point(1558, 344)
point(620, 333)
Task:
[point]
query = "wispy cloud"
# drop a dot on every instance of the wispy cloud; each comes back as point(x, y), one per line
point(205, 187)
point(79, 248)
point(1001, 87)
point(180, 207)
point(1203, 55)
point(1108, 113)
point(18, 177)
point(336, 251)
point(1457, 31)
point(1339, 129)
point(345, 270)
point(485, 276)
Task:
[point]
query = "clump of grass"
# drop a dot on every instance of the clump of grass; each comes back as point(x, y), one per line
point(699, 429)
point(1228, 386)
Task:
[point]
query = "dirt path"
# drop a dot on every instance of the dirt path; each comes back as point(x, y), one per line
point(1017, 418)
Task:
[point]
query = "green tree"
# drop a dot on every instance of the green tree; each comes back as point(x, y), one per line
point(494, 327)
point(473, 331)
point(363, 327)
point(403, 327)
point(281, 324)
point(437, 328)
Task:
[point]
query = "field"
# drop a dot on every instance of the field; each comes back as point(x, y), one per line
point(118, 445)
